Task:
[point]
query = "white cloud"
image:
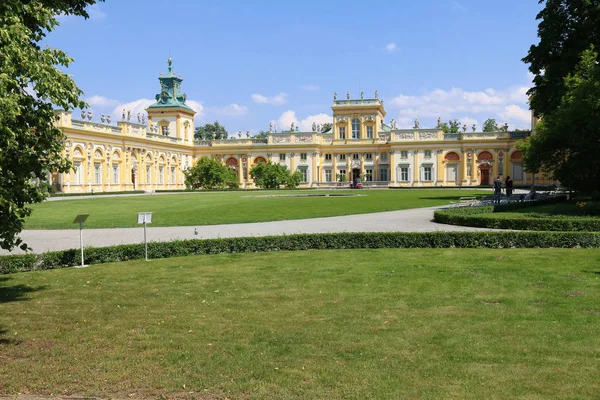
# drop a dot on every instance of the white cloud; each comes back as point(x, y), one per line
point(140, 105)
point(275, 100)
point(101, 101)
point(232, 110)
point(505, 105)
point(390, 47)
point(96, 12)
point(305, 125)
point(311, 87)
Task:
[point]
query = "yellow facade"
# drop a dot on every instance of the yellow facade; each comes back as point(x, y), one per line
point(153, 155)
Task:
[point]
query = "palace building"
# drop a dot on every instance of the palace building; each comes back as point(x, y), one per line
point(152, 155)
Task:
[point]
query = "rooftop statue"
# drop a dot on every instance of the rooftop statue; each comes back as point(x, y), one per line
point(474, 127)
point(416, 124)
point(362, 95)
point(376, 94)
point(439, 122)
point(334, 96)
point(348, 95)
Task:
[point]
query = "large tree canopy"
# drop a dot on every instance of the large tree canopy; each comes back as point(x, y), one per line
point(567, 140)
point(210, 132)
point(273, 175)
point(209, 173)
point(567, 28)
point(31, 86)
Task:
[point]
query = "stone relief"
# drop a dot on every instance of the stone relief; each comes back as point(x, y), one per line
point(303, 139)
point(404, 136)
point(428, 135)
point(282, 139)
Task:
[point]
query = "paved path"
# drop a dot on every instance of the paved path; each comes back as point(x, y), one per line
point(413, 220)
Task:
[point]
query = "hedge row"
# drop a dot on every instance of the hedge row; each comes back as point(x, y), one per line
point(96, 193)
point(69, 258)
point(479, 217)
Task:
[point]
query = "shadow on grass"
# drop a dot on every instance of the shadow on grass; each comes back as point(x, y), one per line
point(450, 198)
point(17, 292)
point(590, 272)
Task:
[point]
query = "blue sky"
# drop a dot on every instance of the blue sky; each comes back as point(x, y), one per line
point(248, 63)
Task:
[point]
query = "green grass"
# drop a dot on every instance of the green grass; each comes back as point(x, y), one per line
point(212, 208)
point(543, 211)
point(354, 324)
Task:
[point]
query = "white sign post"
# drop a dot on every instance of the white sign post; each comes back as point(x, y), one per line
point(81, 219)
point(145, 218)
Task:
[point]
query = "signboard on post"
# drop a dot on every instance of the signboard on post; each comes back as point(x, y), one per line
point(145, 218)
point(81, 219)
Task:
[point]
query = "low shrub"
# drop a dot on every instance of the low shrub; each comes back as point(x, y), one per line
point(69, 258)
point(474, 216)
point(96, 193)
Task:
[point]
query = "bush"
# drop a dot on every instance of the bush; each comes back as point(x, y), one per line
point(69, 258)
point(473, 216)
point(96, 193)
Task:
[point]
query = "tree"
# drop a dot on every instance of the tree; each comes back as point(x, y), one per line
point(326, 126)
point(490, 125)
point(209, 173)
point(261, 135)
point(272, 175)
point(31, 86)
point(567, 28)
point(566, 143)
point(454, 126)
point(444, 127)
point(210, 132)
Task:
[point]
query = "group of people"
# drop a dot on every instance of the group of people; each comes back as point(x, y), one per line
point(508, 184)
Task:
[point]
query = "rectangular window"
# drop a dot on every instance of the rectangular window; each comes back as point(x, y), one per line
point(427, 153)
point(327, 157)
point(427, 173)
point(116, 173)
point(173, 175)
point(342, 157)
point(368, 175)
point(404, 154)
point(342, 132)
point(342, 175)
point(517, 171)
point(369, 156)
point(148, 174)
point(369, 132)
point(383, 173)
point(303, 156)
point(161, 175)
point(383, 156)
point(452, 172)
point(282, 157)
point(304, 172)
point(355, 128)
point(77, 173)
point(355, 156)
point(97, 173)
point(327, 175)
point(404, 174)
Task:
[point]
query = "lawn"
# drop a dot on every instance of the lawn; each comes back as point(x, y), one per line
point(210, 208)
point(353, 324)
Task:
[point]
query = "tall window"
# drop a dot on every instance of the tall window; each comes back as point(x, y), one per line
point(368, 175)
point(342, 175)
point(97, 173)
point(383, 156)
point(369, 132)
point(404, 174)
point(342, 132)
point(116, 173)
point(148, 174)
point(383, 173)
point(77, 173)
point(356, 128)
point(303, 156)
point(327, 175)
point(173, 175)
point(282, 157)
point(304, 172)
point(328, 157)
point(161, 174)
point(355, 156)
point(369, 156)
point(404, 154)
point(427, 173)
point(342, 157)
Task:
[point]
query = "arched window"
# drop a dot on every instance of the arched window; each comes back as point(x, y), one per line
point(356, 128)
point(452, 156)
point(485, 156)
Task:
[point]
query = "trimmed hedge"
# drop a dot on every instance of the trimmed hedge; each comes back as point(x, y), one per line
point(69, 258)
point(96, 193)
point(473, 216)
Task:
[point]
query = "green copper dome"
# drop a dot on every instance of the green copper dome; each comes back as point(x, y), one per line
point(170, 95)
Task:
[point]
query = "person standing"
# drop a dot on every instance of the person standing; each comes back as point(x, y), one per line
point(509, 186)
point(497, 190)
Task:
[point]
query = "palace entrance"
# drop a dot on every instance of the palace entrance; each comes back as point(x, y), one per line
point(485, 175)
point(355, 174)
